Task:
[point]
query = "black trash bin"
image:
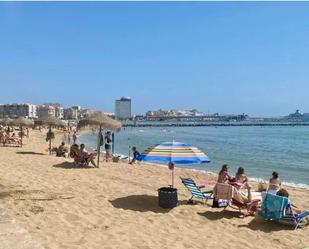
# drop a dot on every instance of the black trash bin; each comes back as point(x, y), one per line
point(167, 197)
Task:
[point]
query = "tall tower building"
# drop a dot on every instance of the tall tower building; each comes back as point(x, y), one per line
point(123, 108)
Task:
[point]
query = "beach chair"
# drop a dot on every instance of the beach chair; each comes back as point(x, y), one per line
point(11, 141)
point(278, 208)
point(234, 199)
point(196, 190)
point(80, 162)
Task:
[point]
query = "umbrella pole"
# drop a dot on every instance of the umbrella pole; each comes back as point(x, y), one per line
point(21, 136)
point(49, 139)
point(113, 143)
point(98, 148)
point(173, 178)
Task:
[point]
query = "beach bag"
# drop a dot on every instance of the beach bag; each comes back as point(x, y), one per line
point(219, 203)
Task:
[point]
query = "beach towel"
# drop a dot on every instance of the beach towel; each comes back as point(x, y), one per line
point(224, 191)
point(207, 182)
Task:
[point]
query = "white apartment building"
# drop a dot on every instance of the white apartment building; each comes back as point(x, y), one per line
point(18, 110)
point(123, 108)
point(50, 109)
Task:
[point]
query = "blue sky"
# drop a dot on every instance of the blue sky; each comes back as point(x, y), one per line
point(214, 56)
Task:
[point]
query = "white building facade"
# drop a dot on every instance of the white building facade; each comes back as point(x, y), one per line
point(123, 108)
point(18, 110)
point(50, 109)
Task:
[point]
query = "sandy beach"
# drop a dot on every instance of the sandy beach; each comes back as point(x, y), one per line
point(115, 206)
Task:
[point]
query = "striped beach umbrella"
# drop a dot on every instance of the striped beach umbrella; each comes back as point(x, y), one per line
point(175, 152)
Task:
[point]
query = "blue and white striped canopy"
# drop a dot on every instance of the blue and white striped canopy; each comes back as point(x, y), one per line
point(178, 153)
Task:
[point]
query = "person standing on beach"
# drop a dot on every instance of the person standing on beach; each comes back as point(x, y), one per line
point(107, 145)
point(69, 138)
point(74, 137)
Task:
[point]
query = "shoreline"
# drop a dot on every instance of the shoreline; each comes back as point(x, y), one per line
point(252, 178)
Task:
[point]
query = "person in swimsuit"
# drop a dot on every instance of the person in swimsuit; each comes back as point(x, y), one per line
point(107, 145)
point(223, 174)
point(274, 183)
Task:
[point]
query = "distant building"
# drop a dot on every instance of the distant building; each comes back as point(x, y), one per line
point(84, 113)
point(173, 113)
point(123, 108)
point(50, 109)
point(296, 114)
point(46, 110)
point(71, 113)
point(18, 110)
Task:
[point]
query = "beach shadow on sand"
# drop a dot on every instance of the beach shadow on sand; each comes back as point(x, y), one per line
point(217, 215)
point(140, 203)
point(29, 153)
point(69, 165)
point(266, 226)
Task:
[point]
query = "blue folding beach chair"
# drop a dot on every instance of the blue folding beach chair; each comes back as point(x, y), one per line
point(196, 191)
point(274, 208)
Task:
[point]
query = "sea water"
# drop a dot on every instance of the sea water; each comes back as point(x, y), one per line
point(260, 150)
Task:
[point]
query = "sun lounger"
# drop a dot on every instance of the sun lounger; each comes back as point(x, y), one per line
point(278, 208)
point(196, 190)
point(234, 198)
point(6, 140)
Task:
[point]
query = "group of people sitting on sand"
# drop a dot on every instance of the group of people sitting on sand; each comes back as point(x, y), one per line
point(81, 156)
point(79, 153)
point(240, 181)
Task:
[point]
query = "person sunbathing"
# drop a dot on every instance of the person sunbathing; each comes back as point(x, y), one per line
point(293, 210)
point(8, 138)
point(224, 176)
point(88, 157)
point(274, 183)
point(240, 180)
point(62, 150)
point(74, 151)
